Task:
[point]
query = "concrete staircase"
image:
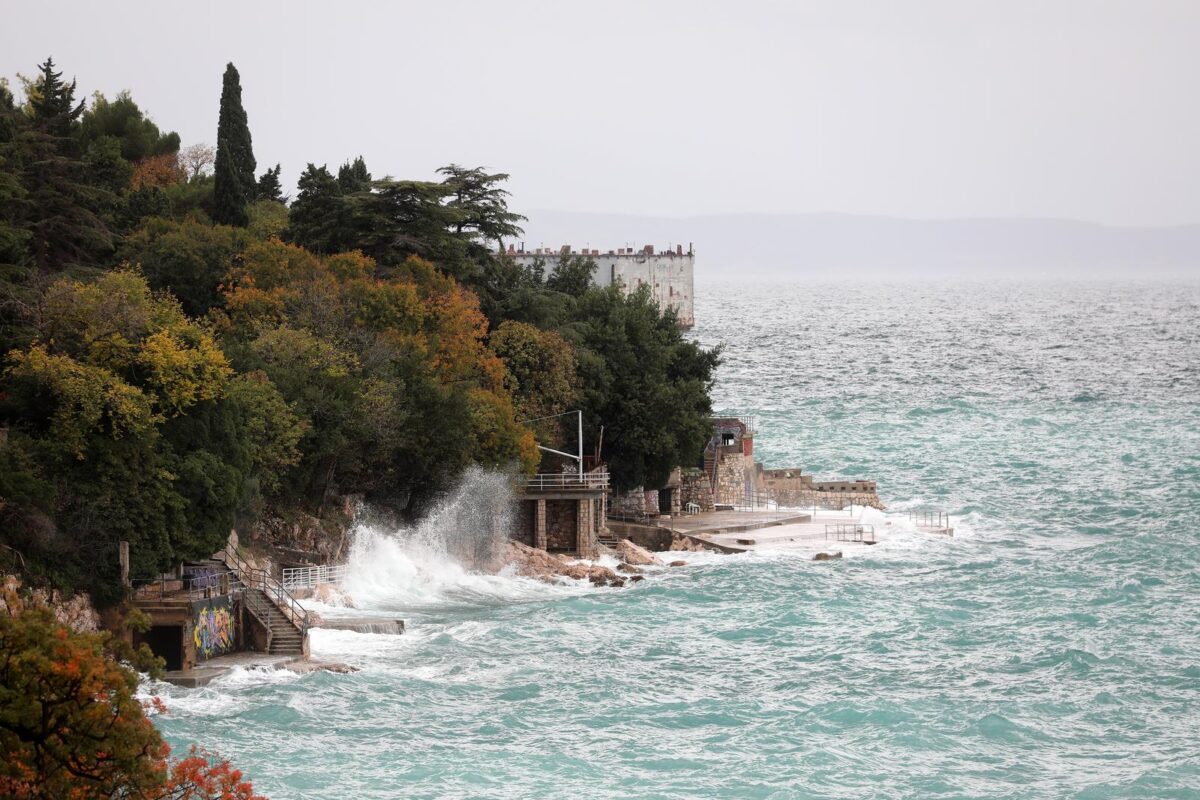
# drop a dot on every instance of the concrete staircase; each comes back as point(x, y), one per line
point(272, 605)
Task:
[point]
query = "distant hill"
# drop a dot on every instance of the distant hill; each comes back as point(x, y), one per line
point(767, 247)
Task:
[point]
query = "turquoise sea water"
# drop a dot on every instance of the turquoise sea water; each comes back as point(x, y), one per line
point(1051, 649)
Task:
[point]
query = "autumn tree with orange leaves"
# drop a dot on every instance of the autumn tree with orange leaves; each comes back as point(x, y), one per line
point(71, 727)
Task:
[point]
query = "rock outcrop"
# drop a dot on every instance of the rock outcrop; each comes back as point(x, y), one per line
point(687, 544)
point(827, 556)
point(551, 567)
point(75, 611)
point(636, 556)
point(331, 595)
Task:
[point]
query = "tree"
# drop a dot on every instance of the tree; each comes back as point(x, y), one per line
point(572, 276)
point(353, 177)
point(320, 219)
point(234, 165)
point(480, 205)
point(123, 120)
point(71, 727)
point(188, 258)
point(268, 187)
point(644, 382)
point(539, 371)
point(63, 206)
point(196, 160)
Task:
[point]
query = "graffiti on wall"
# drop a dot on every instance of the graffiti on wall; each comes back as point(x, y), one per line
point(213, 629)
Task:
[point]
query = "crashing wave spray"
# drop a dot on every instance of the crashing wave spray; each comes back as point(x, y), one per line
point(446, 560)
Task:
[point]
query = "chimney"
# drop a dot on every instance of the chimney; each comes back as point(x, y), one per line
point(679, 249)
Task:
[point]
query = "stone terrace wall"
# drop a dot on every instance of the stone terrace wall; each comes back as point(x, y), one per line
point(561, 525)
point(735, 473)
point(695, 488)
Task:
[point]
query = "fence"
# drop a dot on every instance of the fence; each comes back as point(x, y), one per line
point(851, 531)
point(548, 481)
point(938, 520)
point(309, 577)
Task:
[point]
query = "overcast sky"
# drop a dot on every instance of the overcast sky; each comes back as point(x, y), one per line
point(1084, 110)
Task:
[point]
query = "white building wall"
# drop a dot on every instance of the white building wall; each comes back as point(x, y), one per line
point(669, 275)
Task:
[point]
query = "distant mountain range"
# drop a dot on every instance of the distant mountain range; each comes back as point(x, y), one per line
point(766, 247)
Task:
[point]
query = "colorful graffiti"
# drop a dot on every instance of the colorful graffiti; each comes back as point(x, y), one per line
point(213, 629)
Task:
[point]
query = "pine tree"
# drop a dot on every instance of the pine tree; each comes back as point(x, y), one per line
point(234, 169)
point(269, 187)
point(320, 220)
point(353, 177)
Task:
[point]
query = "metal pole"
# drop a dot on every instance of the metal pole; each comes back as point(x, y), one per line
point(580, 412)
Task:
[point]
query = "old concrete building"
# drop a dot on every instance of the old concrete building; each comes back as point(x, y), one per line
point(562, 512)
point(669, 273)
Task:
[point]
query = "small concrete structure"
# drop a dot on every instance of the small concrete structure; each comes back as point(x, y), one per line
point(562, 512)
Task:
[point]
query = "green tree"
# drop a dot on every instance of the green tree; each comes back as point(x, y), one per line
point(269, 187)
point(353, 177)
point(190, 259)
point(62, 207)
point(320, 219)
point(644, 382)
point(539, 371)
point(480, 205)
point(234, 168)
point(573, 275)
point(124, 121)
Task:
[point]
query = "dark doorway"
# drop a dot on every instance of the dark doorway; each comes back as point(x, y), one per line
point(664, 502)
point(167, 643)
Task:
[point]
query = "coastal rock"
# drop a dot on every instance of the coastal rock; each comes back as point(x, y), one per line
point(636, 578)
point(637, 556)
point(331, 595)
point(75, 611)
point(549, 567)
point(678, 564)
point(629, 570)
point(687, 544)
point(827, 556)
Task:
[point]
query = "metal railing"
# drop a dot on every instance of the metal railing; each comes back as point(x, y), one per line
point(851, 531)
point(930, 519)
point(164, 587)
point(255, 578)
point(545, 481)
point(310, 577)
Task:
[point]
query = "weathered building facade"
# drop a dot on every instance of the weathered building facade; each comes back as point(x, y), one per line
point(669, 273)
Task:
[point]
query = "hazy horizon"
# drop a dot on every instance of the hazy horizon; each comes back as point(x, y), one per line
point(926, 110)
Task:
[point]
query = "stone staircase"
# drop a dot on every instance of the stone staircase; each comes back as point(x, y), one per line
point(285, 637)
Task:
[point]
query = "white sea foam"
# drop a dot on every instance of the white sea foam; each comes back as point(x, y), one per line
point(449, 559)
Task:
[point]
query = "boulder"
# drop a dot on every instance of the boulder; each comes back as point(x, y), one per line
point(637, 556)
point(548, 567)
point(827, 556)
point(628, 570)
point(636, 578)
point(678, 564)
point(331, 595)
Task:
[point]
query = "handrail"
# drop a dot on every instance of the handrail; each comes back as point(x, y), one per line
point(262, 580)
point(854, 531)
point(308, 577)
point(929, 519)
point(564, 480)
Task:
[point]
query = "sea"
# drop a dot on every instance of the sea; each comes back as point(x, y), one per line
point(1049, 649)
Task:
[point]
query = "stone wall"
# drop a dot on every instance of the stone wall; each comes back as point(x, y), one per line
point(651, 503)
point(628, 504)
point(524, 523)
point(791, 488)
point(562, 525)
point(695, 487)
point(735, 477)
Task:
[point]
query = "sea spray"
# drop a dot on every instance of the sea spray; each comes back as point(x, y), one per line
point(452, 558)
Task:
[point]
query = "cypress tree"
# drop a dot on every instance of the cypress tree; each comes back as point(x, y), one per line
point(233, 171)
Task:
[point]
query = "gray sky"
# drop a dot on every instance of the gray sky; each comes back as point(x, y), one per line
point(1081, 110)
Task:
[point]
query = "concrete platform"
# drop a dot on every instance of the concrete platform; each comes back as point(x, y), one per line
point(208, 671)
point(806, 536)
